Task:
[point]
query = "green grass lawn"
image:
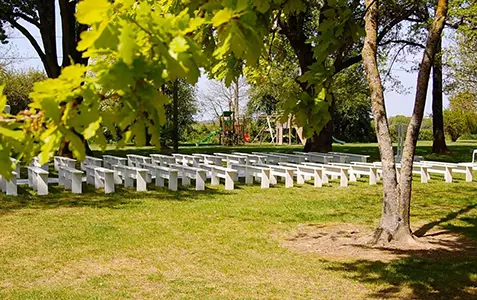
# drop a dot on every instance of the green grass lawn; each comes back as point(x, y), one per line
point(221, 244)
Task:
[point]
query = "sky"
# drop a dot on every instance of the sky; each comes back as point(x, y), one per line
point(397, 103)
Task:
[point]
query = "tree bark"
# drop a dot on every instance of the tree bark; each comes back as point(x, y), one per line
point(439, 140)
point(390, 220)
point(420, 101)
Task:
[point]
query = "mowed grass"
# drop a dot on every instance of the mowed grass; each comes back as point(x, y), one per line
point(223, 244)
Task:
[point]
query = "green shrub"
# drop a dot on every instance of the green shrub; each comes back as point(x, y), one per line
point(18, 86)
point(426, 135)
point(468, 136)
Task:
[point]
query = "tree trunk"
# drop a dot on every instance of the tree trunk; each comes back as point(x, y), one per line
point(439, 140)
point(395, 221)
point(175, 116)
point(391, 219)
point(71, 31)
point(46, 13)
point(321, 142)
point(293, 30)
point(420, 101)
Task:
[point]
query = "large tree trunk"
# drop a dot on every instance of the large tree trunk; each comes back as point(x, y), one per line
point(391, 219)
point(71, 31)
point(321, 142)
point(293, 30)
point(420, 101)
point(439, 139)
point(395, 221)
point(46, 13)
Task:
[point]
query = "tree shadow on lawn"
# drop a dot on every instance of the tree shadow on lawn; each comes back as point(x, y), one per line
point(448, 271)
point(121, 198)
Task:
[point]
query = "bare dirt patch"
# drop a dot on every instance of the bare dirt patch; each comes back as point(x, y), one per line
point(351, 241)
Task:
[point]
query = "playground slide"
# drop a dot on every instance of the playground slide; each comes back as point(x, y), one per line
point(208, 137)
point(337, 141)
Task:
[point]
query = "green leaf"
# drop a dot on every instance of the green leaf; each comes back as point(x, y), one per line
point(127, 45)
point(92, 11)
point(50, 145)
point(223, 16)
point(261, 5)
point(14, 134)
point(139, 132)
point(178, 45)
point(91, 129)
point(100, 37)
point(3, 99)
point(293, 6)
point(242, 5)
point(75, 145)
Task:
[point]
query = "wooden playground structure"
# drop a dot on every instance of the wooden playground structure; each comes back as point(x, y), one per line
point(231, 131)
point(276, 130)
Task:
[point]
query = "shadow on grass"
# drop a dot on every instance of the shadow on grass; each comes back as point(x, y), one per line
point(451, 216)
point(448, 272)
point(121, 198)
point(450, 278)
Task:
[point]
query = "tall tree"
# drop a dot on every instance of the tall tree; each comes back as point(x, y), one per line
point(395, 220)
point(41, 14)
point(439, 139)
point(216, 97)
point(179, 113)
point(308, 37)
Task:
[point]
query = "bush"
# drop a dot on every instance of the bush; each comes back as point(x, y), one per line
point(456, 123)
point(200, 131)
point(18, 86)
point(426, 135)
point(468, 136)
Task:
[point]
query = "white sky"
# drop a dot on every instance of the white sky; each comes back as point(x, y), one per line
point(396, 104)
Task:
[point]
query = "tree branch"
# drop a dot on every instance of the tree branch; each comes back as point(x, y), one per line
point(348, 63)
point(30, 38)
point(394, 59)
point(26, 18)
point(408, 43)
point(393, 23)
